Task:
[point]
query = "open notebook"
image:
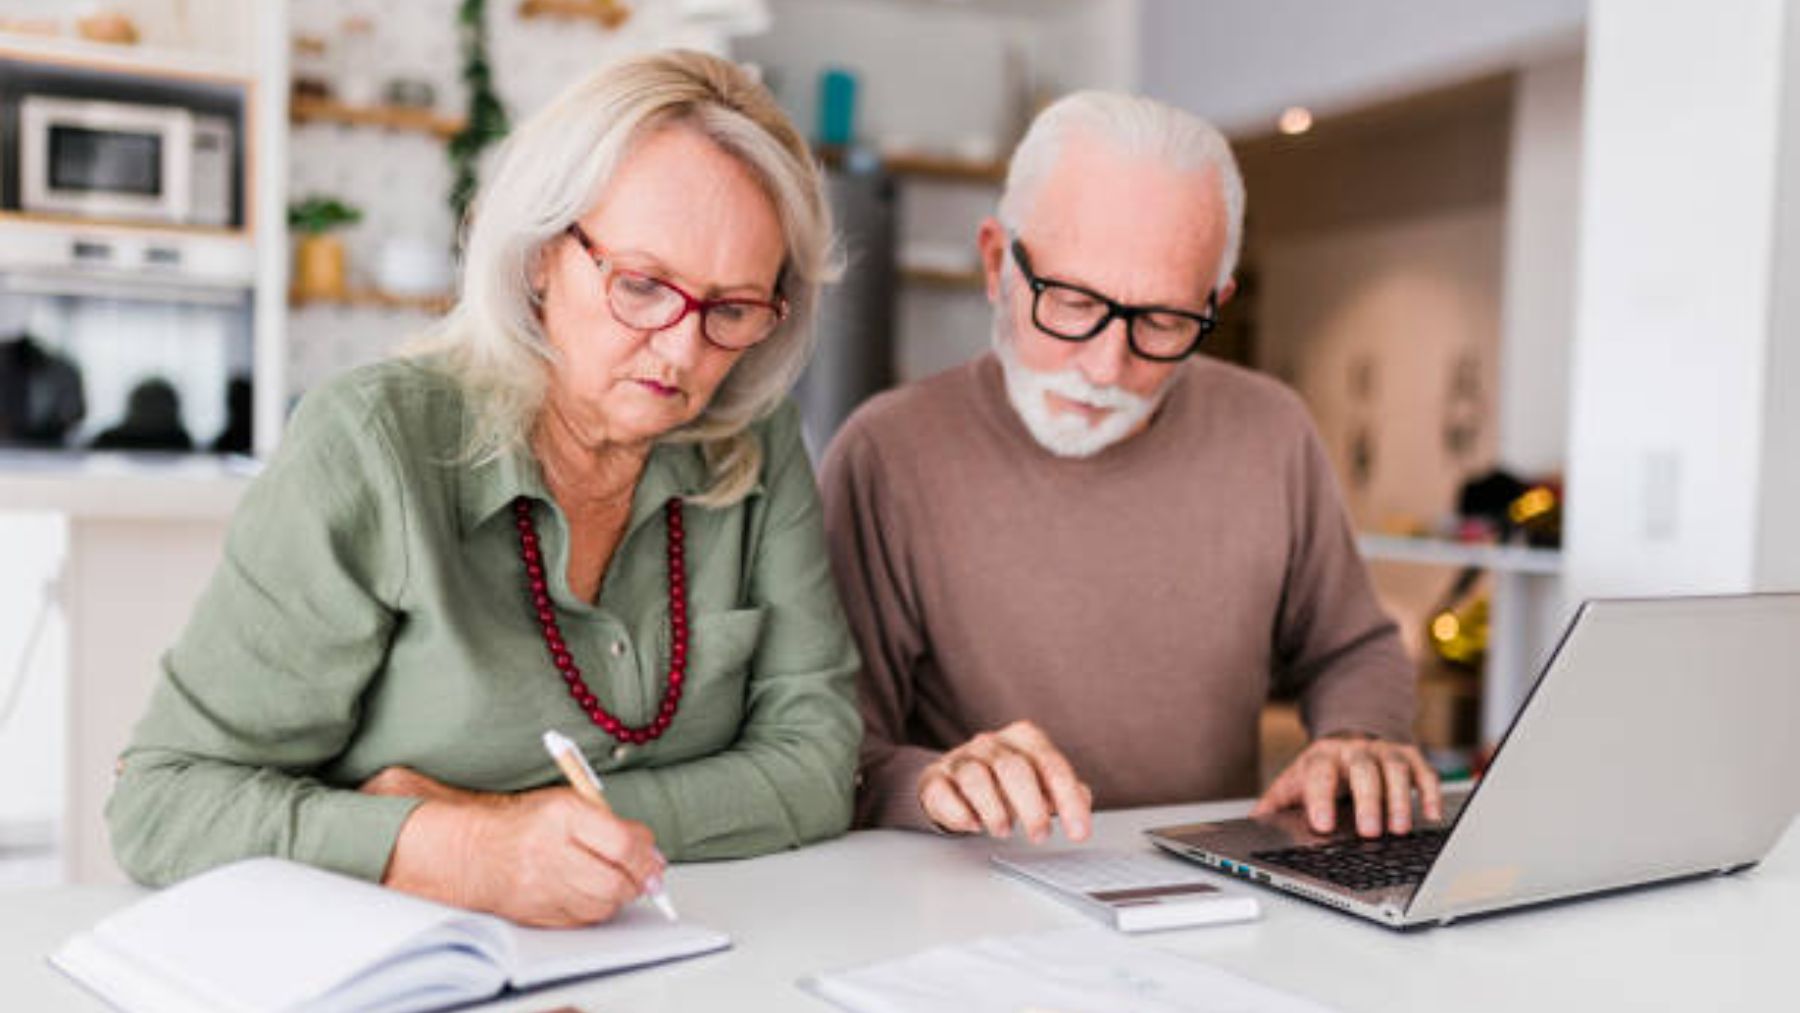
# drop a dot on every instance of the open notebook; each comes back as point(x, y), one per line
point(267, 934)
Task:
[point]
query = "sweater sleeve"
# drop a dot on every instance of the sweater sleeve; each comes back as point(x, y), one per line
point(1333, 642)
point(866, 541)
point(264, 685)
point(787, 780)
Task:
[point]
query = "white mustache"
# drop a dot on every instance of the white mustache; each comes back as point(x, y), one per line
point(1069, 383)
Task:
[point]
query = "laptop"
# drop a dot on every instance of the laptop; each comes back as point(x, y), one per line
point(1661, 741)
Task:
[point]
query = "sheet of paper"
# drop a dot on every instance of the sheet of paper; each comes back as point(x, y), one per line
point(1083, 970)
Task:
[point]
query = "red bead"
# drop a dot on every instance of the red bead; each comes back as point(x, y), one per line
point(535, 571)
point(546, 615)
point(538, 587)
point(562, 659)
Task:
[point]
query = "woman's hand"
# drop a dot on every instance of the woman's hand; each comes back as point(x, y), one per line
point(542, 858)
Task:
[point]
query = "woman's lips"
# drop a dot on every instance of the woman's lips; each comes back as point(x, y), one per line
point(659, 389)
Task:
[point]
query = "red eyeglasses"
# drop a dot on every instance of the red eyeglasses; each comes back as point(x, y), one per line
point(645, 302)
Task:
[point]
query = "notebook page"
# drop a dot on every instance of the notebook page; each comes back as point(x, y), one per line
point(1081, 970)
point(637, 935)
point(270, 934)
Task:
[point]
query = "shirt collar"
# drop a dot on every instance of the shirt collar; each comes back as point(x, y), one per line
point(490, 486)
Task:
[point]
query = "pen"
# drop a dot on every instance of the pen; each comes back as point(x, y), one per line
point(586, 783)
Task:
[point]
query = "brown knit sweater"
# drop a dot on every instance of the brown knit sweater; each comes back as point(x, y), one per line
point(1139, 605)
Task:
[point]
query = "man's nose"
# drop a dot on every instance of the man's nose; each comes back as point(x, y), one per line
point(1105, 356)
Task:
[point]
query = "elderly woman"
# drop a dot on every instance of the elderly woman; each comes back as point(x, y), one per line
point(581, 505)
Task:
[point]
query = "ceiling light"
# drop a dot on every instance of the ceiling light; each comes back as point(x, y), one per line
point(1295, 120)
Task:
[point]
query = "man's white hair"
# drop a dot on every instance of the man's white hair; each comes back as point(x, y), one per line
point(1134, 126)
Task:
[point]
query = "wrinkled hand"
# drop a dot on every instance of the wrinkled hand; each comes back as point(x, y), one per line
point(543, 857)
point(998, 780)
point(1377, 773)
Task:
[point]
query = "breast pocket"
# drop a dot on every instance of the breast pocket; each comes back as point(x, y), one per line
point(721, 648)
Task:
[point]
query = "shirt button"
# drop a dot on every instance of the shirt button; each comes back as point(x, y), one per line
point(618, 648)
point(620, 751)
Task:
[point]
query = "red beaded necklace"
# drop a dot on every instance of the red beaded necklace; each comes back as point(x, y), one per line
point(539, 592)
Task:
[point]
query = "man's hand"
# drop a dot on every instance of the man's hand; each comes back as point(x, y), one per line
point(1379, 774)
point(998, 780)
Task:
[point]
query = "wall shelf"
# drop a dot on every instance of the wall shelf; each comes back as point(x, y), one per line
point(941, 278)
point(373, 298)
point(141, 61)
point(609, 13)
point(307, 109)
point(1443, 552)
point(956, 170)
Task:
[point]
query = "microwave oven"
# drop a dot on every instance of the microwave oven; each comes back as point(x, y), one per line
point(98, 159)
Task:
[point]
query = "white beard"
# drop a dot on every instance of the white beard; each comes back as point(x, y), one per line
point(1069, 434)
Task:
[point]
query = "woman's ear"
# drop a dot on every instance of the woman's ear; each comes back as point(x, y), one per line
point(538, 274)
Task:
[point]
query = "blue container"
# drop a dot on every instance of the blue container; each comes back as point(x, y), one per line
point(837, 107)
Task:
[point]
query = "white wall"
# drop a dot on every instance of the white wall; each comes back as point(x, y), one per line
point(1543, 204)
point(1778, 534)
point(936, 75)
point(1408, 299)
point(1241, 63)
point(1687, 233)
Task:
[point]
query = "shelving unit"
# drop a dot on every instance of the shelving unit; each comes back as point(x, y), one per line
point(308, 109)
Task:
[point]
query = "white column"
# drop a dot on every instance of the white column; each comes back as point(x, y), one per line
point(1683, 432)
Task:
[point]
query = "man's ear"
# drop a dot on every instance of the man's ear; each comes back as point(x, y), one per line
point(991, 239)
point(1226, 291)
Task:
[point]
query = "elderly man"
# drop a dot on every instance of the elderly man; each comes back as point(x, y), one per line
point(1078, 566)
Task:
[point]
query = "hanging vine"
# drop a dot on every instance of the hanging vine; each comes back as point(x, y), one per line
point(486, 121)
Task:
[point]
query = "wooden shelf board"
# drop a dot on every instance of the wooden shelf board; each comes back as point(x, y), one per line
point(372, 298)
point(946, 279)
point(144, 61)
point(609, 13)
point(42, 218)
point(308, 109)
point(952, 169)
point(1443, 552)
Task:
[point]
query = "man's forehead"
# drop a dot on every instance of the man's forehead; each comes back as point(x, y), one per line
point(1128, 219)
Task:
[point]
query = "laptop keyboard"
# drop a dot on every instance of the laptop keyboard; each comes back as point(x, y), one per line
point(1358, 864)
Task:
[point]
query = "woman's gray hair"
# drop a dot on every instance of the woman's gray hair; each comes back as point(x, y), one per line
point(1133, 125)
point(551, 171)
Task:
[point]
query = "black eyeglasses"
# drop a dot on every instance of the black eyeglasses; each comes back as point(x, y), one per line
point(644, 302)
point(1073, 313)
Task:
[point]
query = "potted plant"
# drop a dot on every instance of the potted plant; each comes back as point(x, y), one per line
point(319, 270)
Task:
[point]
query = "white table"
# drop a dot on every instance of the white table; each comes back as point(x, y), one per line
point(1712, 944)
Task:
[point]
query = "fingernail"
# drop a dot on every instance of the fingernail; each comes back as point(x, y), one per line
point(659, 855)
point(653, 885)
